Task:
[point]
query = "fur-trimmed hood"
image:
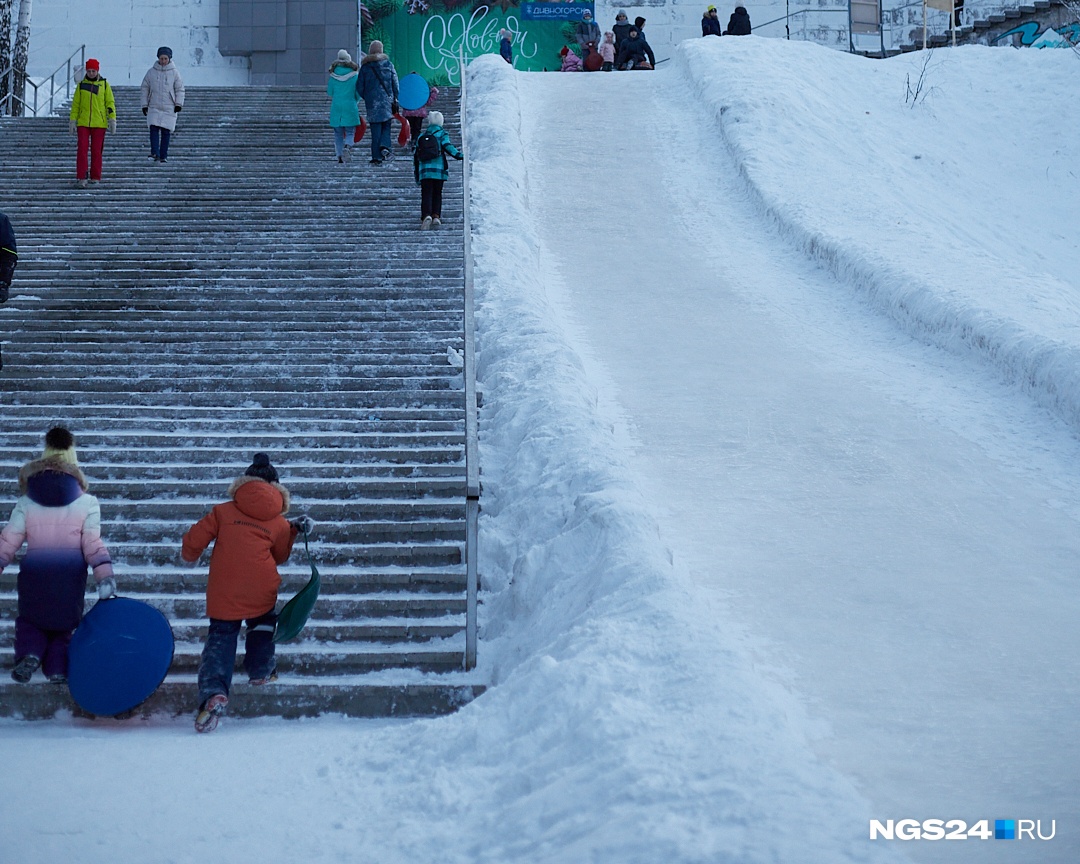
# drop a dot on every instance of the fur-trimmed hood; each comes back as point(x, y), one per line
point(345, 64)
point(373, 58)
point(39, 466)
point(245, 498)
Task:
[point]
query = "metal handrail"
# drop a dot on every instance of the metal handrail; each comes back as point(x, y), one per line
point(7, 104)
point(472, 452)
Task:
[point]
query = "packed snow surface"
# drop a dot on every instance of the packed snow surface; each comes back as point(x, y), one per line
point(781, 371)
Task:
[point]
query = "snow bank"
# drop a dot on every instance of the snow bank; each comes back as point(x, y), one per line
point(621, 694)
point(992, 273)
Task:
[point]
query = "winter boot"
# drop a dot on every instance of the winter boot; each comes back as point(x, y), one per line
point(214, 709)
point(25, 669)
point(269, 679)
point(425, 224)
point(435, 221)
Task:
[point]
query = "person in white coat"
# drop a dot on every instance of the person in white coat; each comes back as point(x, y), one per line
point(162, 99)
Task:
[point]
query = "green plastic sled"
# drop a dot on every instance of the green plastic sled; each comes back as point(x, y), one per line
point(297, 611)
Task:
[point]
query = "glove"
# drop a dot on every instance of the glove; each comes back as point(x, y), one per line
point(144, 110)
point(303, 524)
point(112, 125)
point(106, 588)
point(176, 109)
point(71, 127)
point(459, 158)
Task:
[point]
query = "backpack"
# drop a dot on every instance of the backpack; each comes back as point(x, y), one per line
point(428, 148)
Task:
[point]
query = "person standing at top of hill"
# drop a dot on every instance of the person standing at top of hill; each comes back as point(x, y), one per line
point(344, 107)
point(710, 23)
point(162, 99)
point(621, 29)
point(377, 85)
point(93, 110)
point(587, 35)
point(506, 47)
point(739, 23)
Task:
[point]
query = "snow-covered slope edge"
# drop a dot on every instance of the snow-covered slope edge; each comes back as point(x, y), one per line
point(984, 282)
point(618, 690)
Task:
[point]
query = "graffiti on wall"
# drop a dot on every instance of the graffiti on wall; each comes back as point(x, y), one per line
point(1035, 35)
point(428, 36)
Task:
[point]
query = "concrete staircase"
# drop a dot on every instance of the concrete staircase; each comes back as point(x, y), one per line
point(251, 294)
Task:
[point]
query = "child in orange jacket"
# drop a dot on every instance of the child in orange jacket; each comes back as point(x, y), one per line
point(251, 538)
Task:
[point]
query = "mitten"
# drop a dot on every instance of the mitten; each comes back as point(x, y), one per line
point(144, 110)
point(459, 157)
point(303, 524)
point(106, 588)
point(71, 127)
point(112, 125)
point(176, 109)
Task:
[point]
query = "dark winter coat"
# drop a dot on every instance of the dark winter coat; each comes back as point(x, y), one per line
point(586, 32)
point(435, 169)
point(636, 49)
point(710, 25)
point(61, 526)
point(739, 22)
point(622, 33)
point(377, 85)
point(9, 253)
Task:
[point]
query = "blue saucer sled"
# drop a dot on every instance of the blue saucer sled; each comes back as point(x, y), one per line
point(413, 92)
point(119, 655)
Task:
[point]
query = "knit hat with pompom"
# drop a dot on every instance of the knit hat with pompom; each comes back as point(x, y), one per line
point(60, 446)
point(260, 467)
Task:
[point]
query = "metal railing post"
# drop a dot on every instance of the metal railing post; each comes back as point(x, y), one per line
point(472, 455)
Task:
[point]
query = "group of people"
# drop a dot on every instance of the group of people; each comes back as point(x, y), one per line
point(375, 81)
point(93, 112)
point(738, 23)
point(60, 523)
point(624, 46)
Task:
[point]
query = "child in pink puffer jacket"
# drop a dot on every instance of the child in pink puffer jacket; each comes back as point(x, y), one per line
point(61, 525)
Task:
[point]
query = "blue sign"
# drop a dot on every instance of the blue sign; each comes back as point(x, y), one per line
point(541, 11)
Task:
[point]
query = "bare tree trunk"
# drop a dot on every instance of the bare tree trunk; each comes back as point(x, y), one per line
point(22, 50)
point(5, 49)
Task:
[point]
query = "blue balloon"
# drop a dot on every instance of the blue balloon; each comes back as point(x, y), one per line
point(119, 655)
point(413, 92)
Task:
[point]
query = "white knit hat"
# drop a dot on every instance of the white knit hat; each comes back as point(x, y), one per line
point(435, 118)
point(344, 56)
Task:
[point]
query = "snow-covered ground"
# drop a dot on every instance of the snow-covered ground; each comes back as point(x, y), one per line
point(779, 531)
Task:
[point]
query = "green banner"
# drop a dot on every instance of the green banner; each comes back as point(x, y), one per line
point(427, 36)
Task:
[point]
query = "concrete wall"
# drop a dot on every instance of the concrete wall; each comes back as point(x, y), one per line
point(124, 34)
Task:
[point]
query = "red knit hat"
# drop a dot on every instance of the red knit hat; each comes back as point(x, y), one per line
point(93, 64)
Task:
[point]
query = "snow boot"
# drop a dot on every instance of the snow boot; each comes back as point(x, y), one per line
point(25, 669)
point(269, 679)
point(214, 709)
point(426, 224)
point(435, 221)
